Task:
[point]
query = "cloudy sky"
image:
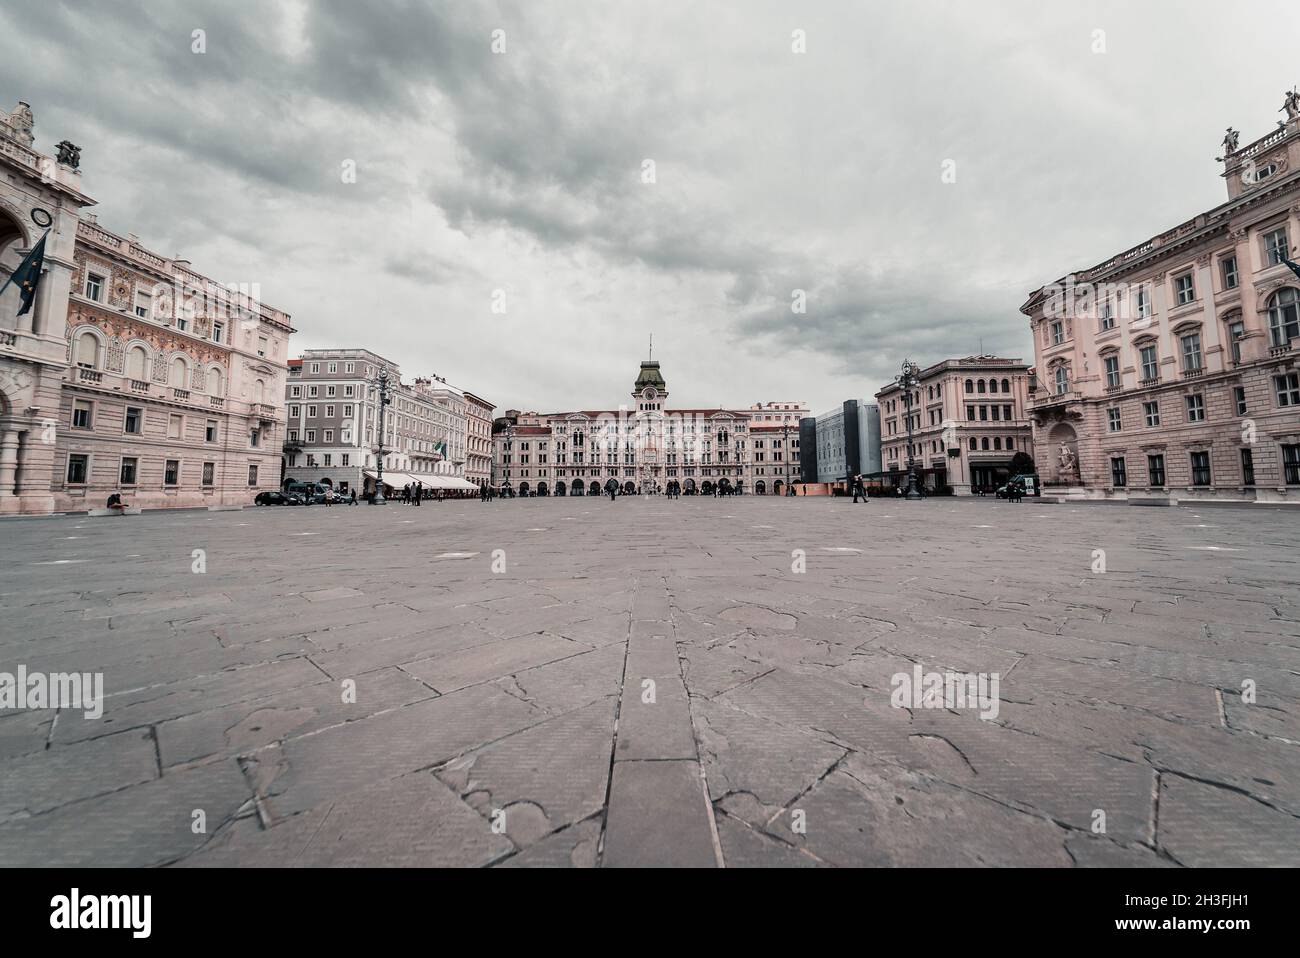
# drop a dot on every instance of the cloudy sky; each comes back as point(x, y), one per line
point(774, 171)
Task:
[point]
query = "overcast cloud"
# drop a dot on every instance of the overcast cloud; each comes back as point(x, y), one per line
point(775, 171)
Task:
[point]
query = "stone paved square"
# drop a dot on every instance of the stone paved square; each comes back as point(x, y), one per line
point(555, 682)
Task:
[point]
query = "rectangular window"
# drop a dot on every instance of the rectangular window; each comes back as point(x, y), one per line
point(1143, 303)
point(1230, 278)
point(1247, 468)
point(329, 412)
point(209, 472)
point(254, 437)
point(1200, 468)
point(349, 390)
point(311, 412)
point(347, 459)
point(210, 434)
point(1196, 408)
point(1236, 333)
point(329, 435)
point(261, 346)
point(218, 331)
point(1118, 474)
point(334, 367)
point(1112, 419)
point(330, 391)
point(126, 475)
point(175, 426)
point(1156, 470)
point(315, 367)
point(295, 392)
point(1112, 371)
point(1239, 393)
point(347, 412)
point(172, 472)
point(143, 305)
point(82, 414)
point(1184, 289)
point(1291, 464)
point(133, 423)
point(1288, 389)
point(1191, 352)
point(1107, 316)
point(94, 286)
point(1150, 364)
point(1058, 333)
point(1275, 247)
point(252, 475)
point(311, 435)
point(313, 392)
point(329, 460)
point(78, 468)
point(295, 411)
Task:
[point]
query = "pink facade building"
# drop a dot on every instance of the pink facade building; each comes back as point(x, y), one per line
point(1171, 369)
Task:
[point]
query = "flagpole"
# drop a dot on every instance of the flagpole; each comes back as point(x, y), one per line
point(24, 261)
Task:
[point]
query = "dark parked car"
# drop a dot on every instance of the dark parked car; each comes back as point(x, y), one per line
point(277, 499)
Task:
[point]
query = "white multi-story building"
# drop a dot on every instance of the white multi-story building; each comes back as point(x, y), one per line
point(645, 444)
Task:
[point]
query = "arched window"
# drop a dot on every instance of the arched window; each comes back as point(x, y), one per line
point(216, 385)
point(137, 363)
point(997, 442)
point(993, 385)
point(1006, 385)
point(970, 385)
point(87, 352)
point(979, 386)
point(180, 373)
point(1284, 316)
point(972, 443)
point(984, 443)
point(259, 391)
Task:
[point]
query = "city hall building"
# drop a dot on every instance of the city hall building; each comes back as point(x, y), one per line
point(132, 372)
point(1171, 369)
point(645, 444)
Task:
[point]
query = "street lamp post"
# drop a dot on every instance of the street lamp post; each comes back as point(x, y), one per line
point(909, 379)
point(381, 381)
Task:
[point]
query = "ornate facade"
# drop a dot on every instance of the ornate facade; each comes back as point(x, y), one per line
point(969, 420)
point(645, 444)
point(1173, 368)
point(132, 373)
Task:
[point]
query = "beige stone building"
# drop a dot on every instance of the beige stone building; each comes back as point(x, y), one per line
point(969, 419)
point(1170, 369)
point(478, 439)
point(133, 372)
point(644, 444)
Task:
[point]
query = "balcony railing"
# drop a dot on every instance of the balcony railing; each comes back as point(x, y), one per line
point(1057, 398)
point(8, 339)
point(181, 394)
point(139, 385)
point(1194, 373)
point(216, 402)
point(1275, 351)
point(90, 376)
point(1151, 381)
point(265, 410)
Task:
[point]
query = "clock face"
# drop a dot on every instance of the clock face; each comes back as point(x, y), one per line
point(650, 393)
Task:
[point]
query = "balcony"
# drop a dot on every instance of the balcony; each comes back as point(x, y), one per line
point(89, 376)
point(1194, 373)
point(182, 394)
point(1150, 381)
point(265, 411)
point(1274, 352)
point(139, 386)
point(216, 402)
point(8, 339)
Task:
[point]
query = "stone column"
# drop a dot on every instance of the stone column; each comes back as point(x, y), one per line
point(8, 468)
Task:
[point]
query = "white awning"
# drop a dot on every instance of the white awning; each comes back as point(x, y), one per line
point(399, 479)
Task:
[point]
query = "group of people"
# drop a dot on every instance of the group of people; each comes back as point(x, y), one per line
point(415, 493)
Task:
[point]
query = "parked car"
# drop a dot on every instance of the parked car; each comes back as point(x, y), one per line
point(278, 499)
point(311, 493)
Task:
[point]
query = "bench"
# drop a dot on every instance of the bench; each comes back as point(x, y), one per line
point(128, 511)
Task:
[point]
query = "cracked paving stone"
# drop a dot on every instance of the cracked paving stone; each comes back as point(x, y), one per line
point(559, 766)
point(1209, 826)
point(411, 821)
